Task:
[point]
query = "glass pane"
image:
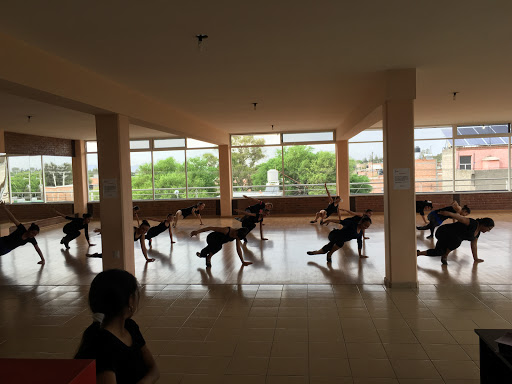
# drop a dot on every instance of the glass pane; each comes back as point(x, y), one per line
point(58, 178)
point(91, 146)
point(257, 171)
point(139, 144)
point(169, 169)
point(273, 138)
point(432, 133)
point(433, 166)
point(483, 129)
point(203, 173)
point(169, 143)
point(142, 175)
point(308, 167)
point(367, 135)
point(305, 137)
point(366, 168)
point(191, 143)
point(26, 179)
point(481, 164)
point(92, 175)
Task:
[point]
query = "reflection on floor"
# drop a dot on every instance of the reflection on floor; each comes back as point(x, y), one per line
point(288, 319)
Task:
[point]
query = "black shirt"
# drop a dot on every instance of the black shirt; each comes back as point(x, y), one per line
point(349, 231)
point(331, 208)
point(112, 354)
point(256, 208)
point(14, 240)
point(420, 206)
point(462, 231)
point(76, 224)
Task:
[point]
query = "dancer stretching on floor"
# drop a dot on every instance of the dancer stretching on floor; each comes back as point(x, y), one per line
point(20, 236)
point(72, 229)
point(333, 207)
point(218, 237)
point(193, 210)
point(160, 228)
point(337, 237)
point(450, 236)
point(259, 205)
point(435, 218)
point(356, 216)
point(139, 234)
point(422, 206)
point(250, 220)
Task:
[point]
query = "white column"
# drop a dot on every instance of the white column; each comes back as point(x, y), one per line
point(112, 133)
point(399, 193)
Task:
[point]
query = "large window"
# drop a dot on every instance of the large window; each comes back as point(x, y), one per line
point(38, 179)
point(447, 159)
point(482, 163)
point(366, 162)
point(433, 159)
point(165, 169)
point(291, 164)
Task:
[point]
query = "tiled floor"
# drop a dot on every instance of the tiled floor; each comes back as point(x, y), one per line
point(289, 318)
point(278, 333)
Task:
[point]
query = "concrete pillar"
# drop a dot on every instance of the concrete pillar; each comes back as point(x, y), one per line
point(2, 141)
point(343, 173)
point(399, 194)
point(226, 181)
point(112, 134)
point(80, 179)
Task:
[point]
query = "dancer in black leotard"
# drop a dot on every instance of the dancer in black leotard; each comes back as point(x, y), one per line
point(422, 206)
point(20, 236)
point(250, 220)
point(436, 219)
point(72, 229)
point(139, 233)
point(220, 236)
point(450, 236)
point(158, 229)
point(337, 237)
point(193, 210)
point(356, 216)
point(333, 207)
point(259, 205)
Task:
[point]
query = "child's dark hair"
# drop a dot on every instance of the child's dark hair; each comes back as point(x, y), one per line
point(86, 215)
point(368, 210)
point(429, 204)
point(136, 208)
point(169, 215)
point(146, 223)
point(365, 219)
point(200, 203)
point(486, 221)
point(110, 292)
point(242, 232)
point(466, 208)
point(33, 227)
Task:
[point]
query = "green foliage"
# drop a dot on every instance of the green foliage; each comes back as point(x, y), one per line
point(244, 159)
point(362, 187)
point(24, 180)
point(57, 175)
point(203, 171)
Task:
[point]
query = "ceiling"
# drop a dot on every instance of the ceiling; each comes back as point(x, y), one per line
point(306, 64)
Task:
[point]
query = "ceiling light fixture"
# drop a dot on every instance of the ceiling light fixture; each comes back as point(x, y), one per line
point(200, 39)
point(28, 118)
point(455, 95)
point(254, 105)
